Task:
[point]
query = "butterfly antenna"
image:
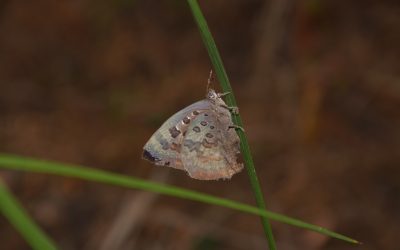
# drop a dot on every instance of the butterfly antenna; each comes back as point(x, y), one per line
point(210, 80)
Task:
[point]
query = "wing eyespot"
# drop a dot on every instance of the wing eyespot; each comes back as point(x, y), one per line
point(174, 132)
point(196, 129)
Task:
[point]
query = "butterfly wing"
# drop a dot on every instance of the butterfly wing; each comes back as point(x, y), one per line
point(163, 148)
point(210, 146)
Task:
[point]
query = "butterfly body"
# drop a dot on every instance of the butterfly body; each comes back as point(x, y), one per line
point(198, 139)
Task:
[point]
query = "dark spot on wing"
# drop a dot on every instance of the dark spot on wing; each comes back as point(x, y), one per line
point(174, 132)
point(203, 123)
point(191, 145)
point(205, 114)
point(212, 127)
point(164, 143)
point(196, 112)
point(148, 156)
point(165, 146)
point(209, 135)
point(196, 129)
point(186, 120)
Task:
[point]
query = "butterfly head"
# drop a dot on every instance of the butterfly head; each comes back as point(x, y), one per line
point(212, 95)
point(215, 97)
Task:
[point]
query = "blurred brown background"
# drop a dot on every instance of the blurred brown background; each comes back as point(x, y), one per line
point(318, 86)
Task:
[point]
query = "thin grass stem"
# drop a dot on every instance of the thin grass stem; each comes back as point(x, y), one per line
point(100, 176)
point(230, 100)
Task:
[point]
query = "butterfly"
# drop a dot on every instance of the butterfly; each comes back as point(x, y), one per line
point(200, 139)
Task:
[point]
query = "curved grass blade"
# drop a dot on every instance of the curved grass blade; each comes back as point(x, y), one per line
point(230, 100)
point(21, 221)
point(68, 170)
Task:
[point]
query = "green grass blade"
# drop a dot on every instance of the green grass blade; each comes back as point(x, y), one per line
point(48, 167)
point(21, 221)
point(230, 100)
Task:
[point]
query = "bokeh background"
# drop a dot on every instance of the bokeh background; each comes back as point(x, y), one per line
point(318, 87)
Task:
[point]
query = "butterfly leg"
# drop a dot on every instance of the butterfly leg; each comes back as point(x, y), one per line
point(233, 110)
point(236, 127)
point(223, 94)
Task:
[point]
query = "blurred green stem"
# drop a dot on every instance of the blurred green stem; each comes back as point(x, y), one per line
point(62, 169)
point(21, 221)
